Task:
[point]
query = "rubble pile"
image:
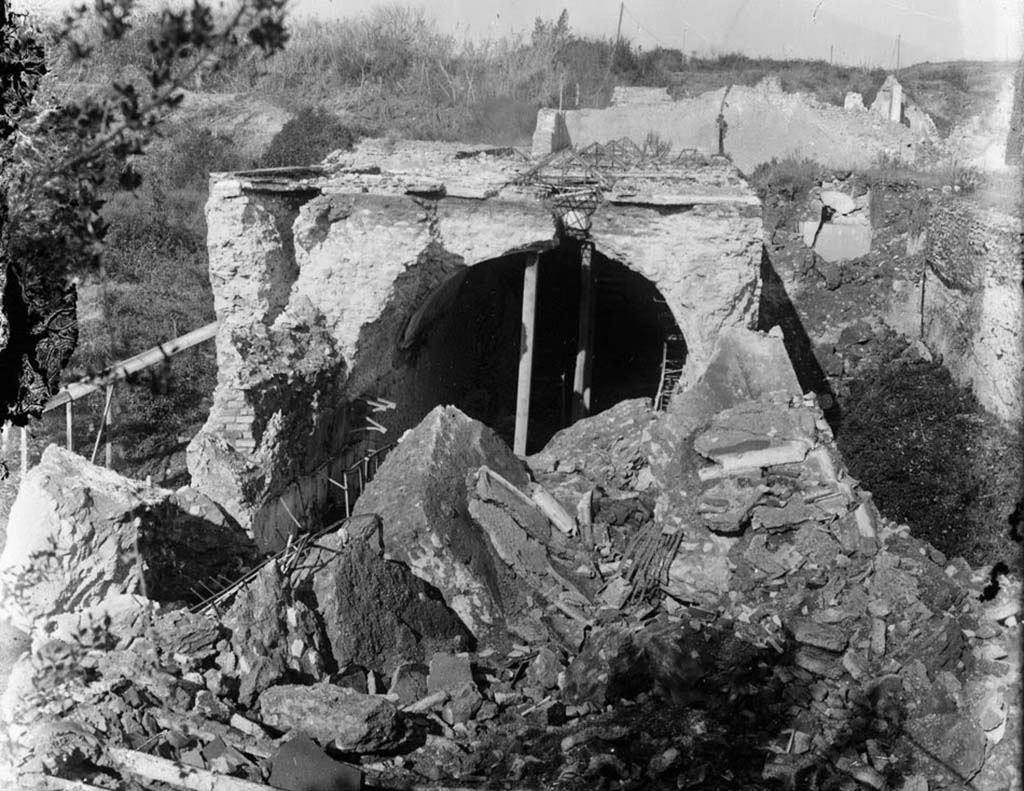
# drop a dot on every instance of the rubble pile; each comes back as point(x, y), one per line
point(701, 598)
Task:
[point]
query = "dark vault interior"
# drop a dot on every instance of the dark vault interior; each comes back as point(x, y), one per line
point(467, 354)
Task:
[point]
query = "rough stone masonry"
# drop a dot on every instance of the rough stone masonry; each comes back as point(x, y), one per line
point(318, 272)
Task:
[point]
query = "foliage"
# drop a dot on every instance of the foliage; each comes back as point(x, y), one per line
point(308, 138)
point(934, 458)
point(60, 162)
point(790, 177)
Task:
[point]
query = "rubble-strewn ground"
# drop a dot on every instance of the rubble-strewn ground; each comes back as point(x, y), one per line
point(921, 443)
point(826, 647)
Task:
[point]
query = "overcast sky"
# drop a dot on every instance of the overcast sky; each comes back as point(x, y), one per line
point(857, 32)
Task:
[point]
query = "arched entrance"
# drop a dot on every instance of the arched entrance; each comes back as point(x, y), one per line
point(462, 344)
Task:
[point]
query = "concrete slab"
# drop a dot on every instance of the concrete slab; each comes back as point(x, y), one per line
point(838, 242)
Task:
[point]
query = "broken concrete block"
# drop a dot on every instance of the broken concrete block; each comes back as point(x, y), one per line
point(839, 202)
point(757, 434)
point(606, 449)
point(420, 494)
point(343, 719)
point(947, 742)
point(836, 242)
point(272, 634)
point(700, 576)
point(498, 495)
point(591, 675)
point(449, 672)
point(808, 632)
point(745, 366)
point(544, 669)
point(378, 614)
point(726, 504)
point(550, 134)
point(113, 621)
point(854, 101)
point(300, 764)
point(79, 533)
point(462, 705)
point(409, 683)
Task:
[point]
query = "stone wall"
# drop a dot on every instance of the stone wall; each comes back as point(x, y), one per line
point(763, 122)
point(973, 304)
point(316, 282)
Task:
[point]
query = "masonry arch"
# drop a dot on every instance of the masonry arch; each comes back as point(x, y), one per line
point(460, 344)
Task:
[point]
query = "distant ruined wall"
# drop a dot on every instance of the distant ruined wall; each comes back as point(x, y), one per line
point(973, 305)
point(763, 122)
point(314, 287)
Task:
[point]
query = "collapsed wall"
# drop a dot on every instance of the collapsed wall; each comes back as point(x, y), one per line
point(762, 122)
point(972, 302)
point(324, 279)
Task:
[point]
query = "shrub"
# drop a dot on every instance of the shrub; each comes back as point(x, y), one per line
point(791, 178)
point(308, 138)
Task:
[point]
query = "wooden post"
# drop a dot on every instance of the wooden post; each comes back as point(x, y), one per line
point(103, 423)
point(67, 423)
point(585, 336)
point(24, 450)
point(527, 337)
point(111, 410)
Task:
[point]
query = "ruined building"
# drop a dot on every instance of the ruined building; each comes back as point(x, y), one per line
point(356, 296)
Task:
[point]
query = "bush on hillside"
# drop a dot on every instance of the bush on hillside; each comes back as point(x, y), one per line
point(308, 138)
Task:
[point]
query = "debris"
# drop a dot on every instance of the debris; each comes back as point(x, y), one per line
point(138, 539)
point(174, 773)
point(421, 497)
point(553, 509)
point(273, 634)
point(343, 719)
point(378, 614)
point(301, 765)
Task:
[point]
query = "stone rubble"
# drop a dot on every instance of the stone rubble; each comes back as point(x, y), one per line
point(725, 588)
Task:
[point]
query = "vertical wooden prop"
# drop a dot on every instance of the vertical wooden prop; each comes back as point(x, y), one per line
point(24, 450)
point(68, 426)
point(526, 345)
point(585, 336)
point(111, 411)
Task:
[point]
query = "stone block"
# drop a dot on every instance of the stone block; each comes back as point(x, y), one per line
point(79, 533)
point(378, 614)
point(420, 493)
point(838, 242)
point(343, 719)
point(449, 672)
point(301, 765)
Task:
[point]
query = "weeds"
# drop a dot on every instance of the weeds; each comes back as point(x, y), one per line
point(308, 138)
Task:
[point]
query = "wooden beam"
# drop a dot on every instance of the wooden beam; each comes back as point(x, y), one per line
point(585, 336)
point(132, 365)
point(68, 409)
point(526, 345)
point(179, 775)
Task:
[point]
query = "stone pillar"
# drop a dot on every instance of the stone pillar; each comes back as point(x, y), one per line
point(550, 134)
point(896, 103)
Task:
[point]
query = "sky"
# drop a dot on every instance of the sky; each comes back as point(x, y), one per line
point(855, 32)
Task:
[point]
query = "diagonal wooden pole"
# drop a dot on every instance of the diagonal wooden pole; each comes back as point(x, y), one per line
point(526, 346)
